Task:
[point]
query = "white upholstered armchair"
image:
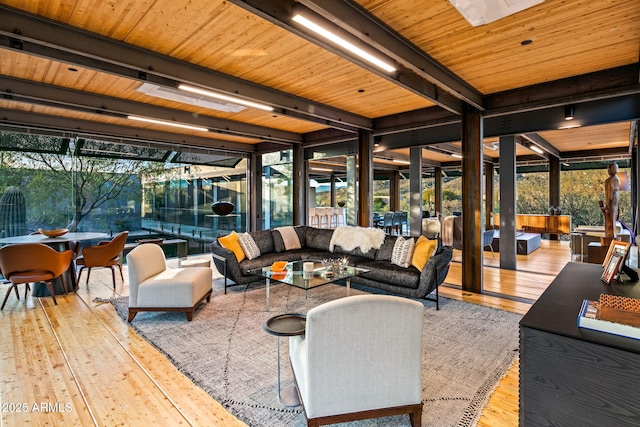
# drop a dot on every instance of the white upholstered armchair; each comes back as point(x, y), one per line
point(153, 287)
point(360, 357)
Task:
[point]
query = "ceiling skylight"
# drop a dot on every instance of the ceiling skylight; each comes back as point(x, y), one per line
point(480, 12)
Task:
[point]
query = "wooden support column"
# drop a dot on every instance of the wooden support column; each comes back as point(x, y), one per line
point(472, 251)
point(365, 178)
point(394, 191)
point(437, 189)
point(508, 203)
point(415, 202)
point(299, 186)
point(488, 196)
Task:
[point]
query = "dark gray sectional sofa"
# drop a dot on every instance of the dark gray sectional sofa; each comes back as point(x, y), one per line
point(315, 244)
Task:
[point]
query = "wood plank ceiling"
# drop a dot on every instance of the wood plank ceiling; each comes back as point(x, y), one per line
point(522, 69)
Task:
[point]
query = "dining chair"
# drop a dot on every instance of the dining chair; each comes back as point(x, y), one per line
point(397, 222)
point(487, 240)
point(388, 222)
point(105, 254)
point(31, 263)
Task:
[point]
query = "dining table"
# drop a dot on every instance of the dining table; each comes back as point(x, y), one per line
point(59, 243)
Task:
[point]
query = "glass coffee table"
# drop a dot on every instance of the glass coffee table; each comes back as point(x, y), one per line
point(293, 275)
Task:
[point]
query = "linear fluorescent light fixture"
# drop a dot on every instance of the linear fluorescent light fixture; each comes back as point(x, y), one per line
point(167, 123)
point(480, 12)
point(456, 155)
point(223, 97)
point(536, 149)
point(327, 34)
point(401, 161)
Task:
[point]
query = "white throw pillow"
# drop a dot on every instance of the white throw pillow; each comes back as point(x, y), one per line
point(248, 246)
point(402, 252)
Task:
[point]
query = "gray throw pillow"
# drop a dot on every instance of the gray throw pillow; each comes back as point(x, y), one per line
point(248, 246)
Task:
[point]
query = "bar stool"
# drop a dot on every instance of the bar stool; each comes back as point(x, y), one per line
point(313, 218)
point(323, 217)
point(339, 214)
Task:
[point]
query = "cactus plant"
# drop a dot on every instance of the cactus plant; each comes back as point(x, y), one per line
point(13, 213)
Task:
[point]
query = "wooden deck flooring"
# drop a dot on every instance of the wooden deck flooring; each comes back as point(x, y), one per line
point(87, 367)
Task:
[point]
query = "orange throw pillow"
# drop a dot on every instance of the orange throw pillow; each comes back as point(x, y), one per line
point(424, 249)
point(232, 243)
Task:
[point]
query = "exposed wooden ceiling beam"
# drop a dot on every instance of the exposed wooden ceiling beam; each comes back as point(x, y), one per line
point(34, 35)
point(417, 71)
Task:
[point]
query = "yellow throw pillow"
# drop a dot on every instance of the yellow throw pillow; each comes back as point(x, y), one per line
point(423, 250)
point(231, 242)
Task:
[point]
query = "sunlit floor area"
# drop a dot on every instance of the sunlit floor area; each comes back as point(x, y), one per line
point(80, 357)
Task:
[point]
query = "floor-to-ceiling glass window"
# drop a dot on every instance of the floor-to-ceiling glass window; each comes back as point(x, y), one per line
point(90, 185)
point(277, 195)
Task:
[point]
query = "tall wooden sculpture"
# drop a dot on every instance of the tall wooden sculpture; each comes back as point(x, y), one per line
point(609, 207)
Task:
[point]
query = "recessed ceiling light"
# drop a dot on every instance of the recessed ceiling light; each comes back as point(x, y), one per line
point(73, 70)
point(526, 42)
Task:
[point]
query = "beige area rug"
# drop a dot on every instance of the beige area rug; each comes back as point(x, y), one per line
point(467, 349)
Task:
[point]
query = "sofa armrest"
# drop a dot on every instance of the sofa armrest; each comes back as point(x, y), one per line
point(436, 269)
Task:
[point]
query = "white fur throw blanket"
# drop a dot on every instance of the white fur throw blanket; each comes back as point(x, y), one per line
point(350, 238)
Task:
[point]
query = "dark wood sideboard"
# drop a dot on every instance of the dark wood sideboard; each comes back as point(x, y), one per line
point(552, 224)
point(571, 376)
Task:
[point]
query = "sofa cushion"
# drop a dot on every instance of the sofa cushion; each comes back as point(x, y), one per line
point(385, 251)
point(278, 241)
point(319, 238)
point(339, 250)
point(264, 241)
point(424, 249)
point(384, 271)
point(268, 259)
point(248, 245)
point(230, 241)
point(402, 252)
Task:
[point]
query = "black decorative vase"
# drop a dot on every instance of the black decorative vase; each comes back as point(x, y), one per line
point(222, 208)
point(341, 203)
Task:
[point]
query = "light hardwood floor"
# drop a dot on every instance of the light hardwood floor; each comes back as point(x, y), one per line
point(78, 363)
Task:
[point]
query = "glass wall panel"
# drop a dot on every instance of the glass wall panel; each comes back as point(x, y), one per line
point(87, 185)
point(277, 195)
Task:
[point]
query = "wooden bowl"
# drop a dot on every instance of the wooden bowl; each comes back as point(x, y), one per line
point(53, 233)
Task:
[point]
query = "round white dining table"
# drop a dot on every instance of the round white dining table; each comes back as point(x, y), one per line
point(60, 244)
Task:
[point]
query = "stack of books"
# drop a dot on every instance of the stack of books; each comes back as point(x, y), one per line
point(612, 314)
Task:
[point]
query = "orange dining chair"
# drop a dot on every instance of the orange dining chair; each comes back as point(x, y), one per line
point(30, 263)
point(105, 254)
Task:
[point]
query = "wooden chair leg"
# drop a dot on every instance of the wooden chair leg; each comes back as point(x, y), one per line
point(88, 274)
point(78, 278)
point(113, 277)
point(121, 275)
point(6, 296)
point(16, 289)
point(53, 294)
point(26, 288)
point(64, 284)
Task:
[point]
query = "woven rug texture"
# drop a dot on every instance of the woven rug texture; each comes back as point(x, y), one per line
point(467, 348)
